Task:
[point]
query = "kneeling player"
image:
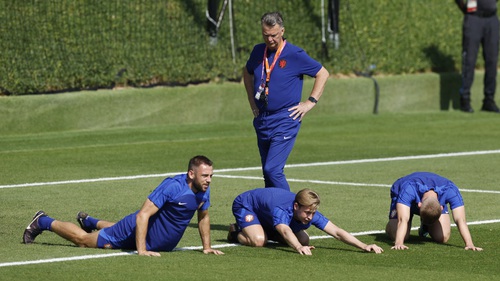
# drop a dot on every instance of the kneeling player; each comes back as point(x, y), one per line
point(280, 215)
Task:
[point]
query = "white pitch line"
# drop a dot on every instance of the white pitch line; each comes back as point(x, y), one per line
point(429, 156)
point(439, 155)
point(345, 183)
point(308, 181)
point(89, 180)
point(193, 248)
point(67, 259)
point(413, 228)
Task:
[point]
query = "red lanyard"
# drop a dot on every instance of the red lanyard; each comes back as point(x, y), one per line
point(266, 64)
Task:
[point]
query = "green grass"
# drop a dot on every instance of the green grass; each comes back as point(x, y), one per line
point(48, 149)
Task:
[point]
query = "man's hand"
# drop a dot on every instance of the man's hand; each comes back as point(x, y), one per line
point(473, 248)
point(374, 248)
point(399, 247)
point(149, 254)
point(305, 250)
point(213, 251)
point(301, 109)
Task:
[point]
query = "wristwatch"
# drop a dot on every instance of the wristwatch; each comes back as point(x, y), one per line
point(313, 100)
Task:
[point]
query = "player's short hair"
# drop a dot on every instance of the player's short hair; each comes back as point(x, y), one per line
point(430, 211)
point(272, 19)
point(307, 197)
point(199, 160)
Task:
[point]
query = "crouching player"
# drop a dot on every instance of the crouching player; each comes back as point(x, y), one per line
point(426, 195)
point(280, 215)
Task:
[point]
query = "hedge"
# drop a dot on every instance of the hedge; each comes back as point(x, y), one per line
point(63, 45)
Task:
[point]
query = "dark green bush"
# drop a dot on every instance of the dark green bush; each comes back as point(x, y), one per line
point(51, 46)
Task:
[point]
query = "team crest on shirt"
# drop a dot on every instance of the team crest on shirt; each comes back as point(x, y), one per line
point(249, 218)
point(282, 63)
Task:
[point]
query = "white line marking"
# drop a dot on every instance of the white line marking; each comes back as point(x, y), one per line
point(308, 181)
point(346, 183)
point(89, 180)
point(67, 259)
point(191, 248)
point(440, 155)
point(253, 178)
point(413, 228)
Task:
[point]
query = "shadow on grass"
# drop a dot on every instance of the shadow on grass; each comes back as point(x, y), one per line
point(108, 251)
point(218, 227)
point(449, 77)
point(413, 240)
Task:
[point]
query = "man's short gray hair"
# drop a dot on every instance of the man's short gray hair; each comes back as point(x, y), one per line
point(272, 19)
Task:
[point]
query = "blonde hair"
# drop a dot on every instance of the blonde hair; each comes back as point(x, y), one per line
point(430, 210)
point(307, 197)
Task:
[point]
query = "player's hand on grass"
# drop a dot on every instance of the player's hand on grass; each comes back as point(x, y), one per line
point(399, 247)
point(473, 248)
point(305, 250)
point(149, 254)
point(374, 248)
point(213, 251)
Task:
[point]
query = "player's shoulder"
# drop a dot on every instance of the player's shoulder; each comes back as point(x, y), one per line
point(292, 46)
point(259, 48)
point(174, 184)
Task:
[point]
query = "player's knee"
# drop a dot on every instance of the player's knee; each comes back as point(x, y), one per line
point(86, 241)
point(272, 173)
point(79, 241)
point(258, 241)
point(443, 238)
point(446, 238)
point(303, 237)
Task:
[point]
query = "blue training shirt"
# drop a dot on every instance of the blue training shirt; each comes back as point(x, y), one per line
point(409, 190)
point(177, 205)
point(274, 206)
point(287, 77)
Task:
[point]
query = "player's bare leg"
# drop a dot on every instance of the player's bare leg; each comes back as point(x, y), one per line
point(75, 234)
point(440, 231)
point(303, 237)
point(253, 235)
point(392, 227)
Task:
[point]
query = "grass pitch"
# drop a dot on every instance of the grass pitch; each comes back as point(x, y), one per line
point(350, 158)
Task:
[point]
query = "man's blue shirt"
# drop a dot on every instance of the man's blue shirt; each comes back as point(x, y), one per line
point(409, 190)
point(274, 206)
point(177, 205)
point(287, 77)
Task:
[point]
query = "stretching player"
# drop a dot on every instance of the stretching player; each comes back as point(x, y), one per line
point(157, 226)
point(280, 215)
point(426, 194)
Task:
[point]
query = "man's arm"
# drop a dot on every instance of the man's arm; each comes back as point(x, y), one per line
point(403, 219)
point(142, 219)
point(248, 81)
point(344, 236)
point(459, 218)
point(204, 229)
point(302, 108)
point(291, 239)
point(319, 83)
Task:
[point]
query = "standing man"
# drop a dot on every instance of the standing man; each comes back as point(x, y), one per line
point(157, 226)
point(273, 78)
point(426, 194)
point(283, 216)
point(480, 27)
